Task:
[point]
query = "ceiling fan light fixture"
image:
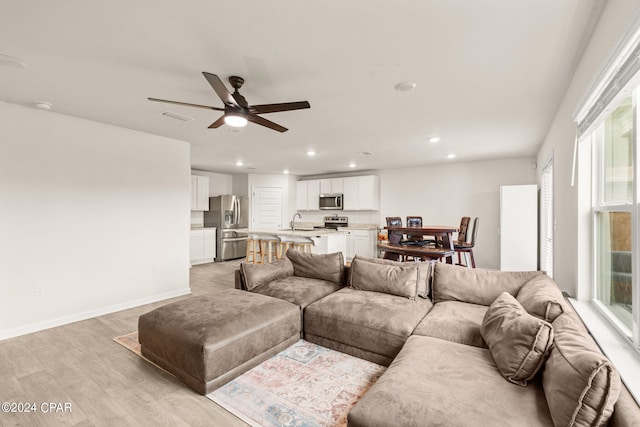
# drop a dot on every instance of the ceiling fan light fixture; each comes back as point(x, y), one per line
point(235, 120)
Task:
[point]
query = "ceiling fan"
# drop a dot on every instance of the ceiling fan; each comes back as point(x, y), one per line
point(236, 109)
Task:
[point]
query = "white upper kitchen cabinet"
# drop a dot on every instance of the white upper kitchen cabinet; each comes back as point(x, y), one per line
point(308, 195)
point(361, 193)
point(199, 193)
point(331, 186)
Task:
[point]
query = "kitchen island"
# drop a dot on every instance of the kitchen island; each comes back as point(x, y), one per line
point(325, 241)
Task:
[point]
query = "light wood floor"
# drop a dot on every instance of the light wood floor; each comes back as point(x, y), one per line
point(106, 384)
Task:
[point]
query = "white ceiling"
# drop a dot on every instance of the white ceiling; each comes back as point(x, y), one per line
point(490, 74)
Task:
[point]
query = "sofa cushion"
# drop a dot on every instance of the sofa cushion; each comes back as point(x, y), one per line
point(580, 383)
point(454, 321)
point(397, 280)
point(424, 271)
point(440, 383)
point(542, 298)
point(329, 267)
point(256, 275)
point(475, 285)
point(301, 291)
point(518, 341)
point(375, 322)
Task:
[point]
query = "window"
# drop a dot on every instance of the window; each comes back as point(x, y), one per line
point(547, 222)
point(613, 214)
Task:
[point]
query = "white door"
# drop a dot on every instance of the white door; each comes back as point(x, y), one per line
point(266, 208)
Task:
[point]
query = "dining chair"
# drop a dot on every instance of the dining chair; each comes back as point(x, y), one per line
point(463, 230)
point(394, 237)
point(414, 221)
point(466, 248)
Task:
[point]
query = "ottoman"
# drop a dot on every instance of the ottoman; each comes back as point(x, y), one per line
point(208, 340)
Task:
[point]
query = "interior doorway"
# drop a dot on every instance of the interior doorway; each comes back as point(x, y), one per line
point(266, 211)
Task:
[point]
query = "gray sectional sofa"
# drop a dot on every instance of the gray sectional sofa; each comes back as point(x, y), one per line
point(464, 347)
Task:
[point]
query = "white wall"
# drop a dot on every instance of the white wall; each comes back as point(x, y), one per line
point(240, 184)
point(571, 250)
point(442, 194)
point(95, 214)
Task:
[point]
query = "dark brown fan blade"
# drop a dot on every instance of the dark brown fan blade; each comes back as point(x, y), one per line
point(274, 108)
point(186, 104)
point(267, 123)
point(217, 123)
point(220, 89)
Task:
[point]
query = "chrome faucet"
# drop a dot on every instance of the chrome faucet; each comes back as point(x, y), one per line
point(293, 220)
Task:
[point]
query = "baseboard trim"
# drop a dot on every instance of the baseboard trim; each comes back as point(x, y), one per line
point(64, 320)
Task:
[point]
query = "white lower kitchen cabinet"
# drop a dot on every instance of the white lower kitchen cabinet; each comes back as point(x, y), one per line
point(329, 244)
point(361, 242)
point(202, 245)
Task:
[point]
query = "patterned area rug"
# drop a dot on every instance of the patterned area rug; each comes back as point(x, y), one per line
point(305, 385)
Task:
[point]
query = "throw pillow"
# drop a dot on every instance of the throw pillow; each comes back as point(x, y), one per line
point(329, 267)
point(424, 272)
point(388, 279)
point(542, 298)
point(580, 383)
point(256, 275)
point(475, 285)
point(518, 342)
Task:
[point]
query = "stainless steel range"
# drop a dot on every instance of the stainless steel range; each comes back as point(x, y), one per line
point(336, 221)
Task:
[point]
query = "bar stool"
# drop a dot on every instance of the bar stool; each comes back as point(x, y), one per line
point(299, 243)
point(266, 243)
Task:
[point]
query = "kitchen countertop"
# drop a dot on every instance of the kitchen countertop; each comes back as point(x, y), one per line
point(302, 233)
point(361, 227)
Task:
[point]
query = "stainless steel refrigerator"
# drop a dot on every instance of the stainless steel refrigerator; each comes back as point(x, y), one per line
point(230, 214)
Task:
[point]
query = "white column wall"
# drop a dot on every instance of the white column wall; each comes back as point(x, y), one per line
point(96, 216)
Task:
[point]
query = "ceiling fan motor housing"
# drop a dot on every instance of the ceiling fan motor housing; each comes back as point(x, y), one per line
point(236, 82)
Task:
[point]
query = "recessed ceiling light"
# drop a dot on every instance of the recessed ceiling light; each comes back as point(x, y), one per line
point(239, 163)
point(177, 116)
point(311, 153)
point(434, 139)
point(42, 105)
point(451, 156)
point(405, 86)
point(12, 61)
point(286, 171)
point(352, 165)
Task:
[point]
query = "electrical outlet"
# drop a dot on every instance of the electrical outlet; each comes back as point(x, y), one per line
point(38, 289)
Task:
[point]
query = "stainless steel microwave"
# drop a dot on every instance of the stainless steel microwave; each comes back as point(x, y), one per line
point(331, 201)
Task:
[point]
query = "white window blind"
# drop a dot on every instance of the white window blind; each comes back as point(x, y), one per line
point(621, 67)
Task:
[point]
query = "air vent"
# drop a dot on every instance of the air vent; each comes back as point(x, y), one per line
point(177, 116)
point(366, 153)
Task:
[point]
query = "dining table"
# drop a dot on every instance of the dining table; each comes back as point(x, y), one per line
point(398, 247)
point(442, 233)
